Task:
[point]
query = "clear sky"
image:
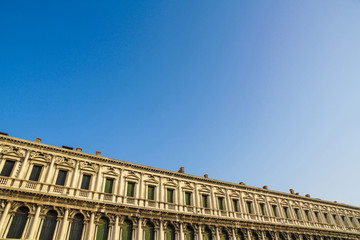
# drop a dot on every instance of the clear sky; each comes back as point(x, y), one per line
point(264, 92)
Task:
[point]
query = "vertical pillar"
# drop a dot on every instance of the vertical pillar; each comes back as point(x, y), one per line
point(248, 234)
point(233, 234)
point(4, 215)
point(217, 233)
point(161, 230)
point(181, 232)
point(23, 166)
point(34, 223)
point(64, 225)
point(199, 234)
point(89, 234)
point(50, 171)
point(116, 229)
point(139, 230)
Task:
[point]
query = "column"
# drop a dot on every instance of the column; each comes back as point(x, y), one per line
point(4, 215)
point(200, 237)
point(89, 234)
point(64, 225)
point(248, 234)
point(181, 232)
point(161, 231)
point(34, 223)
point(50, 171)
point(217, 233)
point(139, 230)
point(24, 165)
point(116, 229)
point(233, 233)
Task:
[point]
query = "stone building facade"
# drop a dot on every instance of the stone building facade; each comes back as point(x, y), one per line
point(49, 192)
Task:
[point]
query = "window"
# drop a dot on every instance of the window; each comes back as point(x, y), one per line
point(308, 216)
point(149, 231)
point(327, 218)
point(205, 201)
point(170, 232)
point(274, 208)
point(127, 228)
point(35, 173)
point(109, 185)
point(130, 189)
point(7, 169)
point(336, 219)
point(236, 205)
point(77, 227)
point(188, 198)
point(352, 221)
point(170, 195)
point(151, 193)
point(297, 213)
point(249, 206)
point(103, 229)
point(61, 178)
point(343, 218)
point(18, 223)
point(221, 203)
point(318, 218)
point(85, 184)
point(286, 211)
point(262, 209)
point(189, 233)
point(49, 225)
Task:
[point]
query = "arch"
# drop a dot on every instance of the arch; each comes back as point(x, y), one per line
point(18, 223)
point(281, 236)
point(207, 234)
point(292, 236)
point(224, 235)
point(240, 235)
point(126, 230)
point(189, 233)
point(149, 231)
point(103, 229)
point(49, 225)
point(268, 236)
point(170, 232)
point(77, 227)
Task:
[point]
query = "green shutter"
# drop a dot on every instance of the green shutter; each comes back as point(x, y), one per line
point(109, 185)
point(18, 223)
point(126, 232)
point(188, 198)
point(149, 232)
point(221, 203)
point(103, 229)
point(170, 233)
point(170, 196)
point(207, 234)
point(61, 178)
point(236, 207)
point(205, 201)
point(77, 227)
point(189, 234)
point(130, 189)
point(85, 184)
point(151, 192)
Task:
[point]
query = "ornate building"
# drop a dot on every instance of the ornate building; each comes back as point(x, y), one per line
point(49, 192)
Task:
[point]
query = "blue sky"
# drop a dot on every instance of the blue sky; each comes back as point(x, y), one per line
point(264, 92)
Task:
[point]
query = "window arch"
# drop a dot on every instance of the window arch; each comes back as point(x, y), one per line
point(207, 234)
point(254, 236)
point(189, 233)
point(126, 230)
point(170, 232)
point(103, 229)
point(49, 225)
point(224, 235)
point(268, 236)
point(281, 236)
point(77, 227)
point(18, 223)
point(149, 231)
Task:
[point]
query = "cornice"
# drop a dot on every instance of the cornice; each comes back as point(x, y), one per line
point(102, 160)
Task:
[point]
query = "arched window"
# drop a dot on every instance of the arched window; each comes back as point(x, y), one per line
point(170, 232)
point(207, 234)
point(126, 230)
point(103, 229)
point(77, 227)
point(293, 236)
point(268, 236)
point(49, 225)
point(189, 233)
point(224, 235)
point(240, 235)
point(149, 231)
point(18, 223)
point(281, 236)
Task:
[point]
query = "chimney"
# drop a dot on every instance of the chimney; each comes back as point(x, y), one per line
point(206, 176)
point(182, 170)
point(297, 193)
point(38, 140)
point(292, 191)
point(242, 183)
point(265, 187)
point(98, 153)
point(307, 195)
point(78, 149)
